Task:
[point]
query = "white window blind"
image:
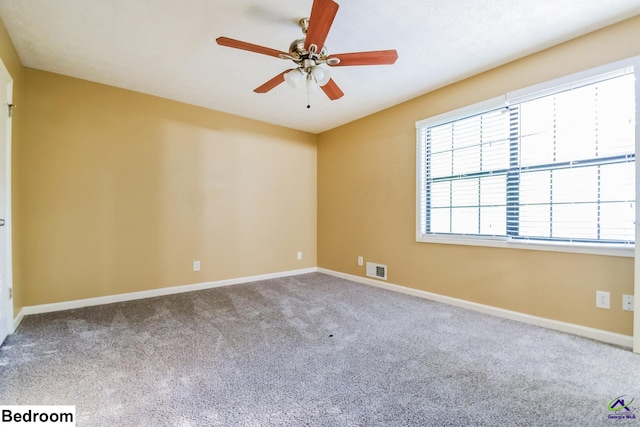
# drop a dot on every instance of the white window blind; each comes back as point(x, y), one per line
point(577, 164)
point(555, 168)
point(466, 164)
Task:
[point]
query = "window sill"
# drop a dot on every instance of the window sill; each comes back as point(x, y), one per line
point(612, 250)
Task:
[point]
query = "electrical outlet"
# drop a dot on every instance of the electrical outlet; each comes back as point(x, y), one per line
point(360, 260)
point(196, 265)
point(299, 255)
point(603, 299)
point(627, 302)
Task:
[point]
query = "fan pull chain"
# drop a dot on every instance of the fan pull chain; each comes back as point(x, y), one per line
point(308, 100)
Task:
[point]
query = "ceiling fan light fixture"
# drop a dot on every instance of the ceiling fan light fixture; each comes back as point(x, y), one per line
point(322, 76)
point(293, 77)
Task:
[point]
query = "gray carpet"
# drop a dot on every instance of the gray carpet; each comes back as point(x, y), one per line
point(310, 350)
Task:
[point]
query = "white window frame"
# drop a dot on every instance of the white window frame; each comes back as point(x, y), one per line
point(531, 92)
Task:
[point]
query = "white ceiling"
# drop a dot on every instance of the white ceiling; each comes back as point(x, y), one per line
point(167, 47)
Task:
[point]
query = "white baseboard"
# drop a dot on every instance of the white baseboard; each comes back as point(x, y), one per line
point(17, 320)
point(592, 333)
point(68, 305)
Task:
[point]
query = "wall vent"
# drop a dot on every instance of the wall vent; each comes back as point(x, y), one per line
point(379, 271)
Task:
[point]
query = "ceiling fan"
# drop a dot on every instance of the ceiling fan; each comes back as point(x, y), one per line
point(309, 53)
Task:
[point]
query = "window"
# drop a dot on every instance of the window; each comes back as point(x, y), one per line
point(549, 167)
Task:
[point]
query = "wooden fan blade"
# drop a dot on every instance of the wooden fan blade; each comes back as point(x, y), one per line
point(237, 44)
point(376, 57)
point(271, 83)
point(322, 14)
point(332, 90)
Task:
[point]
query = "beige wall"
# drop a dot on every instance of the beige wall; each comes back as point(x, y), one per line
point(123, 191)
point(366, 203)
point(12, 62)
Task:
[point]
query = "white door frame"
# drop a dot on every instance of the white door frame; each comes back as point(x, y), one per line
point(6, 246)
point(636, 272)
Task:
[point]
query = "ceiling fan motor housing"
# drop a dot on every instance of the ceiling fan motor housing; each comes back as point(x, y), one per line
point(298, 51)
